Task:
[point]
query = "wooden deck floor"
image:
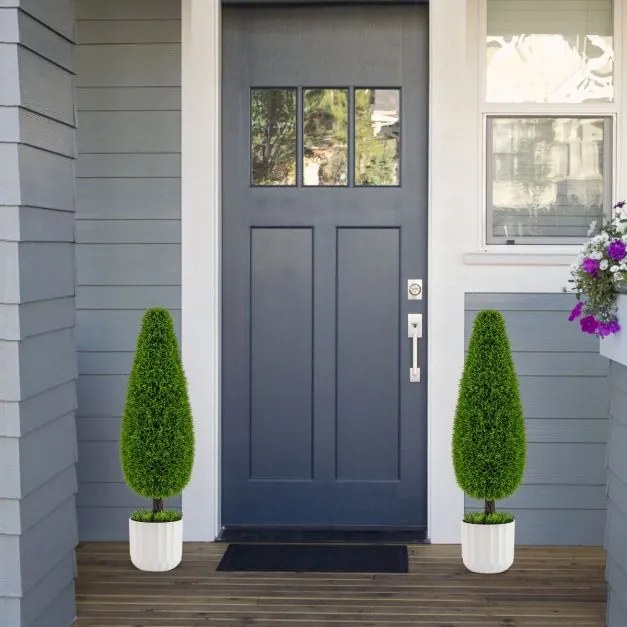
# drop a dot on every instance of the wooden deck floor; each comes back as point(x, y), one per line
point(545, 588)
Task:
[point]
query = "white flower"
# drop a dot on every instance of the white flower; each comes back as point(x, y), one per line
point(604, 237)
point(603, 265)
point(618, 277)
point(597, 255)
point(593, 227)
point(614, 269)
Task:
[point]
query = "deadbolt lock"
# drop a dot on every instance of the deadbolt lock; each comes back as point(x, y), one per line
point(414, 289)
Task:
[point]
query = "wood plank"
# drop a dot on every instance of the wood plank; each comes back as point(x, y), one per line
point(545, 587)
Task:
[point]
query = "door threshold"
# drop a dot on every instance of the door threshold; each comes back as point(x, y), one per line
point(414, 535)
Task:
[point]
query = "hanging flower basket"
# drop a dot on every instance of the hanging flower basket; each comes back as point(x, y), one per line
point(599, 274)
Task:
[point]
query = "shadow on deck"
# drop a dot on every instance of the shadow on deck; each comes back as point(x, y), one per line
point(546, 587)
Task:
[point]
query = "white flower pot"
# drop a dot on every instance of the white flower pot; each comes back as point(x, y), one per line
point(156, 547)
point(488, 549)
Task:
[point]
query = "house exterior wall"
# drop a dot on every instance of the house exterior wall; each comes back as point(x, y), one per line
point(37, 355)
point(127, 226)
point(564, 390)
point(128, 250)
point(616, 531)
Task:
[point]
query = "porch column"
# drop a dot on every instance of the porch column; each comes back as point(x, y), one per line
point(38, 530)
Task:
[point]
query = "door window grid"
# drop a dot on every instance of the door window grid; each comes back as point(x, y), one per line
point(329, 131)
point(594, 178)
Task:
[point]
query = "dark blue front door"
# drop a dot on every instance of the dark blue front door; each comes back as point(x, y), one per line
point(324, 223)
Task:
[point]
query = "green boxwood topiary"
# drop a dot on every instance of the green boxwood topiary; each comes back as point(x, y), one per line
point(489, 446)
point(157, 439)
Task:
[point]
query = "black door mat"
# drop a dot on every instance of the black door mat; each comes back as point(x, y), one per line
point(315, 558)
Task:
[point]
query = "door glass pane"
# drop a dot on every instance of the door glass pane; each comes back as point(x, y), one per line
point(550, 51)
point(273, 133)
point(377, 136)
point(548, 178)
point(325, 136)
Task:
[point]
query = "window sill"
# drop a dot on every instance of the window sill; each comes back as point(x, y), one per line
point(521, 258)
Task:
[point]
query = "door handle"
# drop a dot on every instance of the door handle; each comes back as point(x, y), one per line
point(414, 332)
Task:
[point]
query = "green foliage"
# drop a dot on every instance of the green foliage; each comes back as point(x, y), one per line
point(273, 136)
point(166, 515)
point(157, 440)
point(481, 518)
point(489, 446)
point(376, 155)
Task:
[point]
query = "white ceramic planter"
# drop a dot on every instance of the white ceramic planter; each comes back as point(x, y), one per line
point(156, 547)
point(488, 549)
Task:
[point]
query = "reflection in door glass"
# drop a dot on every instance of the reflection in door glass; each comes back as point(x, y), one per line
point(273, 113)
point(325, 136)
point(377, 136)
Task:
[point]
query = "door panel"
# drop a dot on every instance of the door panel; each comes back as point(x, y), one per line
point(321, 427)
point(368, 353)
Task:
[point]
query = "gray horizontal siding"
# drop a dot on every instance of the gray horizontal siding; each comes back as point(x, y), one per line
point(129, 198)
point(99, 136)
point(38, 450)
point(616, 531)
point(124, 10)
point(145, 98)
point(565, 395)
point(45, 42)
point(127, 228)
point(129, 31)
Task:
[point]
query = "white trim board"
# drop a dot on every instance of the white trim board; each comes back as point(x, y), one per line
point(455, 227)
point(201, 174)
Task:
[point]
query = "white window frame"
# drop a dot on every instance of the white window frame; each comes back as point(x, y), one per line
point(489, 109)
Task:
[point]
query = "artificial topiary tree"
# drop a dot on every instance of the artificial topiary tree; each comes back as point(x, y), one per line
point(157, 440)
point(489, 446)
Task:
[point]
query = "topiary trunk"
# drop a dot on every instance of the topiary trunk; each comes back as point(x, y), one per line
point(157, 439)
point(489, 446)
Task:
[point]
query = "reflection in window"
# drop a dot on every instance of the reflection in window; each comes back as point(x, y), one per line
point(550, 51)
point(547, 178)
point(377, 136)
point(273, 113)
point(325, 136)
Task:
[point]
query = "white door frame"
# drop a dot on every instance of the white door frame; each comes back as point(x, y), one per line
point(452, 125)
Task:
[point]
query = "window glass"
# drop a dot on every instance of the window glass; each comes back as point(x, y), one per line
point(559, 51)
point(377, 136)
point(273, 135)
point(548, 178)
point(325, 136)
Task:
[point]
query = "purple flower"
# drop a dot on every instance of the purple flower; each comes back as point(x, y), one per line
point(607, 328)
point(576, 312)
point(589, 324)
point(590, 265)
point(617, 249)
point(620, 205)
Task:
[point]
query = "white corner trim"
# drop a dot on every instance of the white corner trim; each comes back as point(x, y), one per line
point(201, 245)
point(614, 347)
point(451, 132)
